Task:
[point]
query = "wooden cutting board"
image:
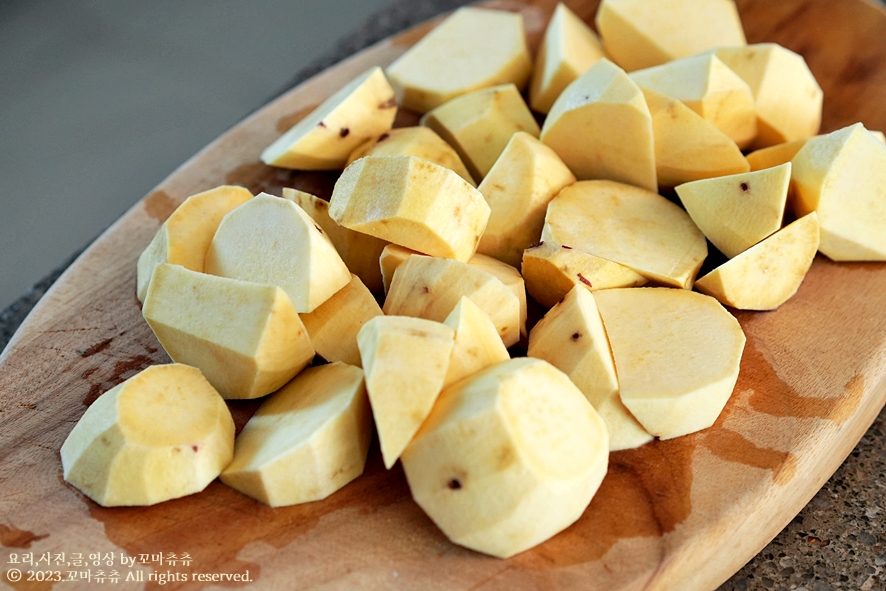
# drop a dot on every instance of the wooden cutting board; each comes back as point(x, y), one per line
point(682, 514)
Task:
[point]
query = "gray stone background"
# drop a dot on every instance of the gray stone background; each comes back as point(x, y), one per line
point(101, 99)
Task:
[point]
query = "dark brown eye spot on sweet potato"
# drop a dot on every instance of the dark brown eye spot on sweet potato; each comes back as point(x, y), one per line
point(319, 229)
point(426, 289)
point(454, 484)
point(383, 137)
point(566, 247)
point(576, 336)
point(584, 280)
point(344, 131)
point(321, 124)
point(536, 245)
point(745, 187)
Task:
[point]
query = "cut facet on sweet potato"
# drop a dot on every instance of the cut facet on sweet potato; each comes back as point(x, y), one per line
point(162, 434)
point(305, 441)
point(768, 274)
point(323, 140)
point(473, 48)
point(630, 226)
point(677, 354)
point(411, 202)
point(405, 361)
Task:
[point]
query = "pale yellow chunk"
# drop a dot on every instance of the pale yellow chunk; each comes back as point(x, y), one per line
point(527, 175)
point(323, 140)
point(477, 344)
point(392, 257)
point(787, 97)
point(405, 361)
point(162, 434)
point(245, 337)
point(677, 354)
point(571, 337)
point(411, 202)
point(510, 278)
point(842, 177)
point(601, 127)
point(508, 458)
point(707, 86)
point(630, 226)
point(334, 325)
point(567, 50)
point(184, 237)
point(272, 240)
point(473, 48)
point(431, 287)
point(358, 251)
point(551, 271)
point(418, 141)
point(688, 147)
point(480, 124)
point(768, 274)
point(644, 33)
point(305, 441)
point(775, 155)
point(737, 211)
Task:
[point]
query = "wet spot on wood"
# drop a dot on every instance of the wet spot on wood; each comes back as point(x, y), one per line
point(96, 348)
point(774, 397)
point(734, 447)
point(646, 493)
point(126, 368)
point(286, 123)
point(95, 390)
point(252, 175)
point(89, 372)
point(261, 178)
point(12, 537)
point(159, 205)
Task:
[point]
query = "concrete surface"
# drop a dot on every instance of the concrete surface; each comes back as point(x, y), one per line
point(102, 99)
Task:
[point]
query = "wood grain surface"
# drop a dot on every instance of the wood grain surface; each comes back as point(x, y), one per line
point(680, 514)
